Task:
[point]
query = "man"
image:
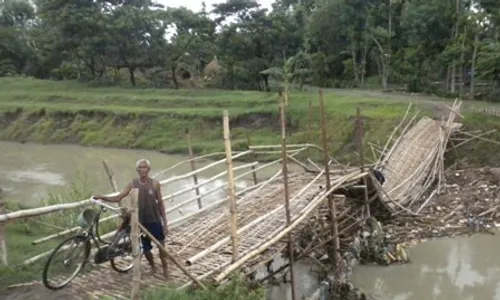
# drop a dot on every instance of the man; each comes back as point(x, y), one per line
point(151, 210)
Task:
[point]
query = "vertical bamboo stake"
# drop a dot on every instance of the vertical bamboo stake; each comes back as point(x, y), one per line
point(230, 185)
point(134, 223)
point(3, 237)
point(359, 131)
point(114, 186)
point(254, 173)
point(309, 126)
point(287, 199)
point(331, 204)
point(110, 174)
point(193, 168)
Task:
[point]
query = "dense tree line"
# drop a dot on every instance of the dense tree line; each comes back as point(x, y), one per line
point(451, 46)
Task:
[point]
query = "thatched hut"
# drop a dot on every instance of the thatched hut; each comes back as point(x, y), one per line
point(212, 69)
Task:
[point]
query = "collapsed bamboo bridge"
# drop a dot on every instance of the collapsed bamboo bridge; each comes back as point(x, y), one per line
point(269, 210)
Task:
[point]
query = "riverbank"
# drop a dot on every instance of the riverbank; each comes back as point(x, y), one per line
point(67, 112)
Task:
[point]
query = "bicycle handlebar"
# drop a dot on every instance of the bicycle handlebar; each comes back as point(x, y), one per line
point(98, 202)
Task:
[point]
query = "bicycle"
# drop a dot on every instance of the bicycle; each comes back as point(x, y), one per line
point(121, 244)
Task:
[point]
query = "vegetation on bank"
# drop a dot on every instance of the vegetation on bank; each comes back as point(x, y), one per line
point(67, 112)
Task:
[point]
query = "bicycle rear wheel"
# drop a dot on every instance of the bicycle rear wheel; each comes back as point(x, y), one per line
point(69, 250)
point(120, 250)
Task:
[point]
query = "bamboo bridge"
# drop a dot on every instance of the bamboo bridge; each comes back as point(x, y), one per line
point(202, 239)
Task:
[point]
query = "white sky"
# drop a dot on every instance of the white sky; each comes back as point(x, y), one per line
point(195, 5)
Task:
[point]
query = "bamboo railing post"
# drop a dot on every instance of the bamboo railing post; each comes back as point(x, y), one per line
point(359, 131)
point(136, 251)
point(309, 127)
point(114, 186)
point(287, 199)
point(331, 204)
point(230, 185)
point(193, 167)
point(165, 251)
point(252, 156)
point(3, 237)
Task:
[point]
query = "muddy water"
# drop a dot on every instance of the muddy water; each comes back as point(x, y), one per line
point(29, 171)
point(459, 268)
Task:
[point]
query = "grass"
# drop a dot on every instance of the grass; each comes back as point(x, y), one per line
point(156, 119)
point(21, 233)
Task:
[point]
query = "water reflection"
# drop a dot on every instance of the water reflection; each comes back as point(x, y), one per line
point(459, 268)
point(29, 171)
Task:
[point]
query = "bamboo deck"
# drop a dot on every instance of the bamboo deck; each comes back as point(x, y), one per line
point(416, 161)
point(201, 232)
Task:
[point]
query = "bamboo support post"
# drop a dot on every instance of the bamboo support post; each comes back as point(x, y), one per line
point(359, 131)
point(309, 125)
point(230, 180)
point(3, 238)
point(331, 204)
point(193, 168)
point(170, 256)
point(254, 174)
point(287, 199)
point(136, 251)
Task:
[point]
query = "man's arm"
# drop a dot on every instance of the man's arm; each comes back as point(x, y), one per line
point(161, 204)
point(124, 193)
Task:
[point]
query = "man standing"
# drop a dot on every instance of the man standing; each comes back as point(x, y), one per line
point(151, 210)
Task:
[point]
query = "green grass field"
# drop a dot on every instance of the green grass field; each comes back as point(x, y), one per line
point(156, 119)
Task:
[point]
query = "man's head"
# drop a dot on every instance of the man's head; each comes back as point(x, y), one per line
point(143, 167)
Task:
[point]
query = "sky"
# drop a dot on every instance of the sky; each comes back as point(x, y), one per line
point(195, 5)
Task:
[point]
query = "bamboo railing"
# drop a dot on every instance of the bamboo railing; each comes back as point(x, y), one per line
point(240, 171)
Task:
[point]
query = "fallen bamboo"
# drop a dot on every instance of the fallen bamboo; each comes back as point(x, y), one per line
point(230, 181)
point(134, 236)
point(268, 243)
point(193, 168)
point(284, 156)
point(170, 256)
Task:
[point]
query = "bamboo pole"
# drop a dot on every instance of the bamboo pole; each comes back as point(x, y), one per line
point(254, 174)
point(193, 167)
point(136, 251)
point(287, 196)
point(110, 174)
point(170, 256)
point(230, 180)
point(359, 131)
point(309, 125)
point(3, 238)
point(331, 204)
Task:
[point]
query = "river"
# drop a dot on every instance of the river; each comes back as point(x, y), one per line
point(460, 268)
point(28, 172)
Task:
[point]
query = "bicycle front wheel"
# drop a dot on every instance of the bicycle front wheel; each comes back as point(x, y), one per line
point(65, 262)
